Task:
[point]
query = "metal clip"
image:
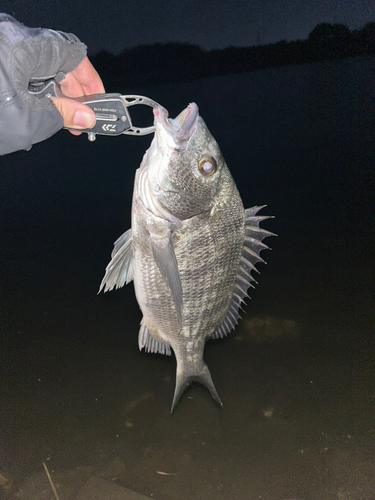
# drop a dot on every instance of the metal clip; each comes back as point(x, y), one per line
point(111, 110)
point(132, 100)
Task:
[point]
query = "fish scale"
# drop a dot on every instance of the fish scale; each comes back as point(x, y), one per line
point(191, 248)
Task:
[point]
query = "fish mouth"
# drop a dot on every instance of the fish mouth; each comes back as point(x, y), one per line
point(180, 128)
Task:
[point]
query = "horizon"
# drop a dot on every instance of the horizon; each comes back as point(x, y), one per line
point(174, 42)
point(213, 25)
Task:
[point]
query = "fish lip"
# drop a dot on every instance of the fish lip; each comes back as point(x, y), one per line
point(183, 126)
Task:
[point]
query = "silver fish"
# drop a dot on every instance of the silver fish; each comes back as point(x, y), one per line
point(191, 248)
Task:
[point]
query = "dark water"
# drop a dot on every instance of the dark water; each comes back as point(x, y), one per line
point(296, 378)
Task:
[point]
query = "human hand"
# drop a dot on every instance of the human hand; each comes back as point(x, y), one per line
point(83, 80)
point(37, 55)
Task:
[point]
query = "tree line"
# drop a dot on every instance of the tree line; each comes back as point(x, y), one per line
point(165, 62)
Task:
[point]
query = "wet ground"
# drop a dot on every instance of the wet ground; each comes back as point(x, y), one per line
point(297, 419)
point(296, 378)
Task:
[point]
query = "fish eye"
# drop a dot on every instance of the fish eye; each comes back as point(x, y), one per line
point(207, 165)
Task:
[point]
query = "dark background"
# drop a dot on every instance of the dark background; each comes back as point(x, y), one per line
point(213, 24)
point(75, 390)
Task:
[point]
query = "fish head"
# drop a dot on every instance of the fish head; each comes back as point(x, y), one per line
point(184, 165)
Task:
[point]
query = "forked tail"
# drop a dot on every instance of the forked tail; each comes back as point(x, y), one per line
point(184, 380)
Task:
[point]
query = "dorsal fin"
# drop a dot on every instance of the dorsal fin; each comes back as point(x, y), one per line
point(147, 341)
point(252, 246)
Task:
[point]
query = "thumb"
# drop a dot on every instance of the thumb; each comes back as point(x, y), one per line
point(75, 114)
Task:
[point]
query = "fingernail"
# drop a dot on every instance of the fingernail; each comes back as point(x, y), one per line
point(83, 119)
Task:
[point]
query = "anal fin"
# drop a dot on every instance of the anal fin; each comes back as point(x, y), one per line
point(150, 344)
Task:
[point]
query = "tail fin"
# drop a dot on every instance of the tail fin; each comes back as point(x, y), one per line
point(183, 381)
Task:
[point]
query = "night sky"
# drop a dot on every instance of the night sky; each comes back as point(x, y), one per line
point(118, 24)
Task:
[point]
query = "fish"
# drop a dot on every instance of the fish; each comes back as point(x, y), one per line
point(191, 249)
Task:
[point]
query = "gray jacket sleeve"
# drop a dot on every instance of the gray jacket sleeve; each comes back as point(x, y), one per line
point(26, 54)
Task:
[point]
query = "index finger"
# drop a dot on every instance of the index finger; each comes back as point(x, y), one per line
point(83, 80)
point(88, 77)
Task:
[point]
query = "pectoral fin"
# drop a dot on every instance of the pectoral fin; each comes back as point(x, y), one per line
point(166, 261)
point(120, 270)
